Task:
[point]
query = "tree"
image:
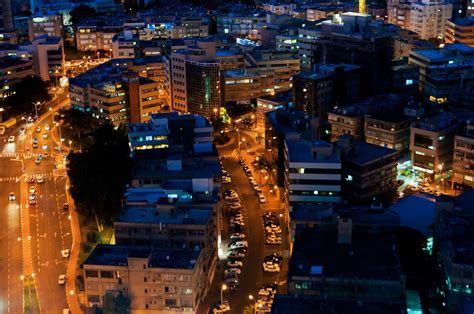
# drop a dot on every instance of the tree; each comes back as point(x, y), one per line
point(29, 90)
point(81, 12)
point(100, 172)
point(116, 303)
point(80, 123)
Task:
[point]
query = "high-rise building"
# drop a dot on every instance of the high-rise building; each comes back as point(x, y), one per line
point(48, 58)
point(460, 30)
point(49, 25)
point(463, 158)
point(424, 17)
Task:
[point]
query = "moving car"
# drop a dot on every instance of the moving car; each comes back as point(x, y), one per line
point(65, 206)
point(37, 161)
point(11, 139)
point(62, 279)
point(38, 130)
point(65, 253)
point(262, 199)
point(45, 135)
point(11, 196)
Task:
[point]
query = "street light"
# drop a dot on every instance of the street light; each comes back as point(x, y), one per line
point(1, 114)
point(36, 108)
point(251, 298)
point(224, 287)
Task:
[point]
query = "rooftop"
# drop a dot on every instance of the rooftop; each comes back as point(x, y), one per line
point(315, 151)
point(362, 153)
point(305, 304)
point(117, 255)
point(369, 256)
point(150, 215)
point(7, 62)
point(463, 21)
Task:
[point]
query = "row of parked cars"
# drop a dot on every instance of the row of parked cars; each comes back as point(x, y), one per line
point(265, 297)
point(253, 182)
point(272, 228)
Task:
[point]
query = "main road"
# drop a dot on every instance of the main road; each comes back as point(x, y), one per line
point(34, 249)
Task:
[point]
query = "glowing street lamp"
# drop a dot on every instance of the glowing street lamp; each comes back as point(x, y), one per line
point(224, 287)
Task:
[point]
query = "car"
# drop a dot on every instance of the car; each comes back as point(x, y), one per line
point(32, 202)
point(32, 189)
point(241, 162)
point(237, 236)
point(273, 241)
point(37, 161)
point(29, 120)
point(234, 264)
point(225, 172)
point(233, 270)
point(62, 279)
point(65, 206)
point(233, 202)
point(45, 135)
point(35, 145)
point(231, 198)
point(46, 127)
point(237, 216)
point(45, 147)
point(235, 254)
point(230, 193)
point(262, 199)
point(58, 148)
point(38, 130)
point(237, 220)
point(235, 205)
point(39, 180)
point(239, 245)
point(32, 197)
point(236, 228)
point(22, 131)
point(226, 180)
point(271, 268)
point(11, 196)
point(221, 308)
point(31, 180)
point(65, 253)
point(11, 139)
point(273, 228)
point(257, 189)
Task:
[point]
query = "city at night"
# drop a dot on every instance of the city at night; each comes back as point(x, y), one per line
point(237, 156)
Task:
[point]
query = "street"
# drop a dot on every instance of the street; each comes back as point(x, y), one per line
point(34, 250)
point(252, 277)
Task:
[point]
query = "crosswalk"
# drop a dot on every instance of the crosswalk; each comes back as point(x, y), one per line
point(46, 175)
point(19, 155)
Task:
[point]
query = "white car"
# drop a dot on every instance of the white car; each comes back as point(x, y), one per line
point(38, 130)
point(235, 264)
point(62, 279)
point(273, 241)
point(65, 253)
point(37, 161)
point(11, 196)
point(237, 236)
point(39, 180)
point(32, 189)
point(262, 199)
point(46, 127)
point(239, 245)
point(271, 267)
point(45, 135)
point(11, 139)
point(32, 196)
point(233, 270)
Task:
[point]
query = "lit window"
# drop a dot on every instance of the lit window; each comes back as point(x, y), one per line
point(301, 170)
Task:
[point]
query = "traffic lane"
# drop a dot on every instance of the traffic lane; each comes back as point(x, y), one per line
point(251, 278)
point(51, 241)
point(11, 300)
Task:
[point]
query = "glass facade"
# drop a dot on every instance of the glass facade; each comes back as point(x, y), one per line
point(203, 82)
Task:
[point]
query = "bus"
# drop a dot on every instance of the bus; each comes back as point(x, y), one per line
point(6, 125)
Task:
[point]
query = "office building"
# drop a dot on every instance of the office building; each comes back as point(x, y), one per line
point(12, 69)
point(167, 280)
point(346, 264)
point(312, 174)
point(203, 87)
point(269, 103)
point(167, 26)
point(122, 90)
point(192, 132)
point(460, 30)
point(49, 25)
point(48, 58)
point(241, 86)
point(463, 158)
point(96, 34)
point(126, 44)
point(431, 143)
point(424, 17)
point(368, 170)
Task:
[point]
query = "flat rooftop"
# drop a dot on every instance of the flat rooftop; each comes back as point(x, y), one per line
point(302, 151)
point(7, 62)
point(284, 304)
point(364, 153)
point(118, 255)
point(369, 256)
point(150, 215)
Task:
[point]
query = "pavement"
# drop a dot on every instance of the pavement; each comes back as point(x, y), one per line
point(252, 277)
point(45, 227)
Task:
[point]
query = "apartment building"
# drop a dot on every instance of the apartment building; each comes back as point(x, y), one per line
point(93, 35)
point(368, 170)
point(122, 90)
point(13, 69)
point(463, 158)
point(49, 25)
point(431, 143)
point(312, 173)
point(156, 280)
point(347, 120)
point(177, 26)
point(424, 17)
point(460, 30)
point(48, 57)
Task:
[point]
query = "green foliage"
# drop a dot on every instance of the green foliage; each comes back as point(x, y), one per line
point(81, 12)
point(29, 90)
point(100, 172)
point(93, 237)
point(116, 303)
point(80, 123)
point(86, 247)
